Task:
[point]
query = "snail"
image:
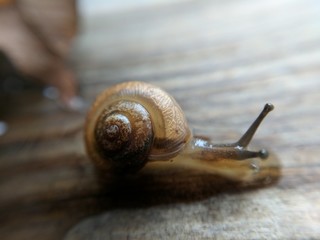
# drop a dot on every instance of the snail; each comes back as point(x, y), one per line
point(133, 123)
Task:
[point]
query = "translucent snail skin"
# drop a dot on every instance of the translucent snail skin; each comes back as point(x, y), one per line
point(133, 123)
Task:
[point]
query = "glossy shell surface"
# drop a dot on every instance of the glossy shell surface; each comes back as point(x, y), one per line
point(169, 127)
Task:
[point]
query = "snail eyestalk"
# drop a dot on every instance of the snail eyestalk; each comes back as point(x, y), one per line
point(244, 141)
point(246, 138)
point(204, 150)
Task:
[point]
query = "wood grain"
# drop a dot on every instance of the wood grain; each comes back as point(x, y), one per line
point(221, 60)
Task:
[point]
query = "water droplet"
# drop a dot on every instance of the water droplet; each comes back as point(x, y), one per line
point(77, 104)
point(3, 128)
point(51, 92)
point(255, 167)
point(267, 180)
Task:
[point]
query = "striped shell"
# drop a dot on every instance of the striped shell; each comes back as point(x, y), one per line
point(131, 123)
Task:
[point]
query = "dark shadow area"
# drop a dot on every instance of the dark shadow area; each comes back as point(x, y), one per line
point(174, 185)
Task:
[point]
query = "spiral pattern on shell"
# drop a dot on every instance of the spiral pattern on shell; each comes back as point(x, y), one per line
point(131, 123)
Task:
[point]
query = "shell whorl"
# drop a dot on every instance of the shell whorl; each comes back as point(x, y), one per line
point(168, 131)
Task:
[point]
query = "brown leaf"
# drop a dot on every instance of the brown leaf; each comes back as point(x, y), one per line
point(36, 35)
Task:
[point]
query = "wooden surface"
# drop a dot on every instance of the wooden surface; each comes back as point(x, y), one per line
point(221, 60)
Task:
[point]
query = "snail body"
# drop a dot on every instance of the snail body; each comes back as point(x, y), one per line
point(132, 123)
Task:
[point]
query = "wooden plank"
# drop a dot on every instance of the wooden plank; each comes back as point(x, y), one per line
point(221, 60)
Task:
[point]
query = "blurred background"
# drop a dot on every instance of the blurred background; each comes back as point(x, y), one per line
point(221, 60)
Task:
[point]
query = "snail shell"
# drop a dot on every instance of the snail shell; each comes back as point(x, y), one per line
point(131, 123)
